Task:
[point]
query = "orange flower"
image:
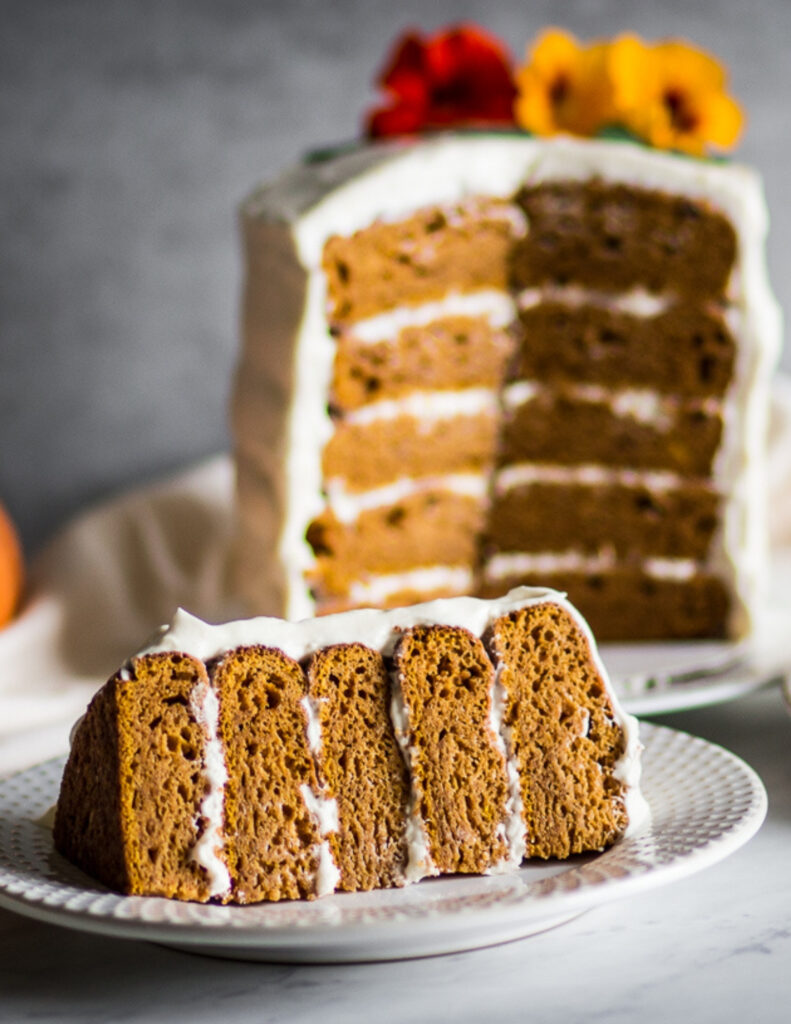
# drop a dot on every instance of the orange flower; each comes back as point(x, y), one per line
point(564, 87)
point(673, 95)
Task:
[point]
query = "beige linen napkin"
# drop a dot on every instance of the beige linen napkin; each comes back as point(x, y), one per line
point(98, 590)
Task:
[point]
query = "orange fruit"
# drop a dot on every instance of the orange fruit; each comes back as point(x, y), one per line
point(11, 568)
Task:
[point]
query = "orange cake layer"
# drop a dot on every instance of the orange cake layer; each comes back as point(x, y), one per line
point(628, 603)
point(567, 787)
point(423, 529)
point(451, 352)
point(371, 455)
point(463, 248)
point(459, 775)
point(554, 427)
point(142, 730)
point(615, 237)
point(629, 520)
point(360, 765)
point(686, 350)
point(269, 832)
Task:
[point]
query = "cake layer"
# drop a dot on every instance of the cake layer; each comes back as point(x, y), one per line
point(628, 604)
point(616, 236)
point(567, 787)
point(632, 520)
point(360, 764)
point(461, 247)
point(458, 775)
point(686, 350)
point(557, 427)
point(422, 529)
point(452, 352)
point(367, 455)
point(143, 839)
point(272, 840)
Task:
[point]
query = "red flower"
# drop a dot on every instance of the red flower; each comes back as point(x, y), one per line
point(460, 76)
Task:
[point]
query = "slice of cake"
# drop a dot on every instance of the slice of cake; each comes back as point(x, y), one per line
point(480, 361)
point(269, 760)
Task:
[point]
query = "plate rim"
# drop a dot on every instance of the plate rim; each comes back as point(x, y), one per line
point(519, 917)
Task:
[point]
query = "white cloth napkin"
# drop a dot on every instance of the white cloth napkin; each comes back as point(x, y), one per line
point(98, 590)
point(109, 579)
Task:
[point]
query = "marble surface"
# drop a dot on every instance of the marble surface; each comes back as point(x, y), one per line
point(714, 947)
point(130, 132)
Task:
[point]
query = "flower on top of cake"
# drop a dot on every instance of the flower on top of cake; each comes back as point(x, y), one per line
point(564, 86)
point(459, 76)
point(673, 95)
point(669, 94)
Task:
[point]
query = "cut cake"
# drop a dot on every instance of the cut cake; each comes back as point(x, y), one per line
point(479, 361)
point(270, 760)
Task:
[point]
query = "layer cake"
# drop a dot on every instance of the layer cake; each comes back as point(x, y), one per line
point(480, 361)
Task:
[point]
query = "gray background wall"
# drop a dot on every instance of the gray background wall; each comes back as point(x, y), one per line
point(130, 131)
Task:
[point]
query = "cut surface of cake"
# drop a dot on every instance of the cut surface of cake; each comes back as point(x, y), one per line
point(271, 760)
point(480, 361)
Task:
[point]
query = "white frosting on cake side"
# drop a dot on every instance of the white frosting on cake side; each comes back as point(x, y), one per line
point(209, 847)
point(324, 812)
point(512, 828)
point(419, 862)
point(323, 809)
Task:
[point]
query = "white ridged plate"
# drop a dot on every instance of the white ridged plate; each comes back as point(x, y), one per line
point(705, 804)
point(654, 679)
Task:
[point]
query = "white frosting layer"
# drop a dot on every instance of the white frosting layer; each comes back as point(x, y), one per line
point(523, 473)
point(313, 730)
point(391, 182)
point(495, 306)
point(324, 810)
point(325, 813)
point(522, 563)
point(208, 850)
point(642, 404)
point(636, 302)
point(348, 505)
point(419, 862)
point(427, 407)
point(376, 589)
point(512, 828)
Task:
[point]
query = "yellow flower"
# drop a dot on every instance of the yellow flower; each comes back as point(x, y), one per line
point(672, 95)
point(564, 86)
